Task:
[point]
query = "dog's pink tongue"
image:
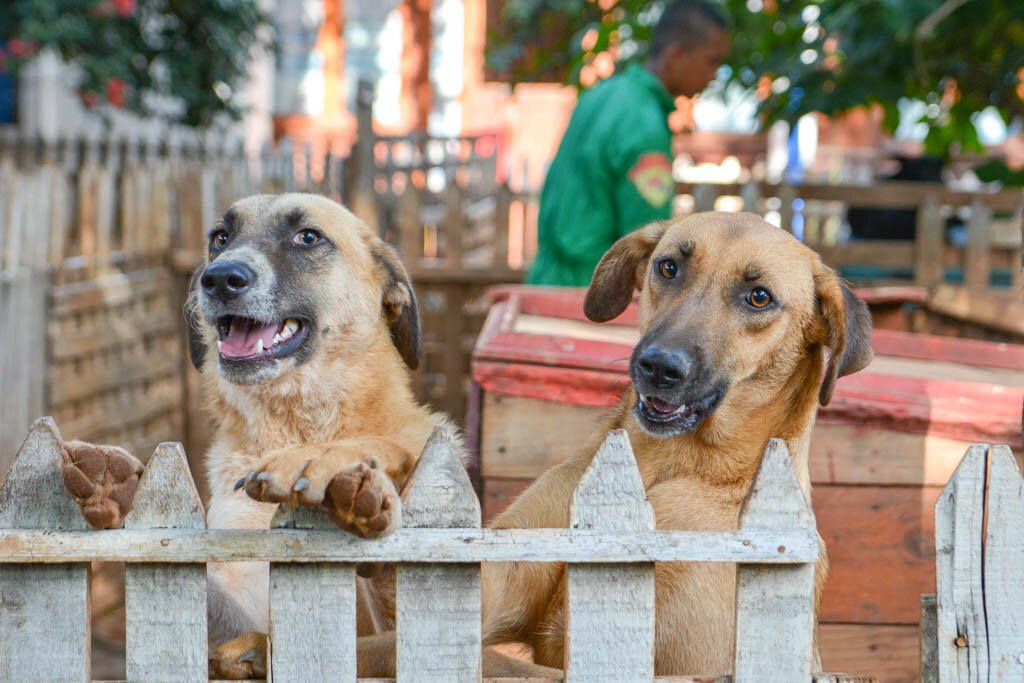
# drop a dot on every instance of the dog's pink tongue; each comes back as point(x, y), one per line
point(243, 336)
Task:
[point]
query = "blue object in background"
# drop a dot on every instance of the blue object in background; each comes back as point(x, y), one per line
point(7, 92)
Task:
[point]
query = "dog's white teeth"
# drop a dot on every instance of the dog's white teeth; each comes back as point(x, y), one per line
point(277, 338)
point(219, 344)
point(259, 346)
point(680, 409)
point(291, 326)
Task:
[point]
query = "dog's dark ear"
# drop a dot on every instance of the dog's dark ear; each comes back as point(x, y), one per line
point(847, 329)
point(196, 346)
point(399, 306)
point(621, 270)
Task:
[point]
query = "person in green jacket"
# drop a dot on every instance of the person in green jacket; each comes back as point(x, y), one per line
point(613, 169)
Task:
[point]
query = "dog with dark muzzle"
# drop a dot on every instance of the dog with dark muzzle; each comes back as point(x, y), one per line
point(735, 318)
point(304, 326)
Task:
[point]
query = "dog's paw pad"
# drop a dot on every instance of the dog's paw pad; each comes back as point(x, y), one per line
point(362, 499)
point(101, 479)
point(242, 658)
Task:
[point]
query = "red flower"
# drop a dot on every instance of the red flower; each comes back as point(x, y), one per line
point(115, 91)
point(124, 7)
point(22, 48)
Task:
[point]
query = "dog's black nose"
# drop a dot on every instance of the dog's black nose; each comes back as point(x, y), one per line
point(662, 368)
point(225, 281)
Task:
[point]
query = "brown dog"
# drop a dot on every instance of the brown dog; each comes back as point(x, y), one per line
point(302, 324)
point(735, 316)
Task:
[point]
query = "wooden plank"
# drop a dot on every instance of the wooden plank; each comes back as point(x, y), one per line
point(111, 290)
point(886, 253)
point(890, 653)
point(929, 639)
point(976, 267)
point(312, 599)
point(438, 606)
point(1003, 572)
point(498, 494)
point(775, 605)
point(523, 437)
point(45, 609)
point(999, 310)
point(165, 605)
point(609, 605)
point(441, 545)
point(929, 242)
point(866, 454)
point(959, 515)
point(67, 385)
point(96, 339)
point(882, 586)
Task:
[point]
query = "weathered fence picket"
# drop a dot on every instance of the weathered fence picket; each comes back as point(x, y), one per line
point(165, 605)
point(318, 598)
point(44, 608)
point(979, 567)
point(775, 605)
point(438, 605)
point(610, 551)
point(611, 604)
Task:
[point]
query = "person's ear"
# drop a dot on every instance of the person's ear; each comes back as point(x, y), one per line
point(621, 270)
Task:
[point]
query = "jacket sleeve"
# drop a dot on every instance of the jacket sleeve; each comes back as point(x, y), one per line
point(644, 186)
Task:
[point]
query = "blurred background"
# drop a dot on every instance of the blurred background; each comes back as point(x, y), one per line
point(885, 135)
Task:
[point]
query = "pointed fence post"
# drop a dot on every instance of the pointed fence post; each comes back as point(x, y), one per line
point(312, 610)
point(438, 610)
point(165, 604)
point(610, 629)
point(44, 608)
point(1004, 567)
point(959, 513)
point(775, 603)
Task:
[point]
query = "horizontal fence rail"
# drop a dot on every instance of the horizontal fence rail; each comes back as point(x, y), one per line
point(610, 551)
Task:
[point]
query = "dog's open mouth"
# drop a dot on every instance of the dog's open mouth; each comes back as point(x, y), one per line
point(247, 339)
point(681, 416)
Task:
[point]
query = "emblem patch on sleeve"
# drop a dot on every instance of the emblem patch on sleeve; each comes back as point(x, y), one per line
point(652, 176)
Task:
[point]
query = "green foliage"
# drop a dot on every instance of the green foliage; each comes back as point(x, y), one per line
point(193, 51)
point(826, 55)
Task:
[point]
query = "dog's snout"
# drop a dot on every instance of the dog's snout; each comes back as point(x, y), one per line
point(225, 281)
point(663, 369)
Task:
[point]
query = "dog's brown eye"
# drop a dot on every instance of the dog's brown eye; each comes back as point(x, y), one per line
point(668, 268)
point(759, 297)
point(219, 239)
point(307, 238)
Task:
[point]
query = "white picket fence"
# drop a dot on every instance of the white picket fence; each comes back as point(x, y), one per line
point(972, 628)
point(610, 549)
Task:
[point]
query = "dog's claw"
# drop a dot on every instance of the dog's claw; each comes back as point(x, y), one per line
point(240, 483)
point(262, 476)
point(301, 485)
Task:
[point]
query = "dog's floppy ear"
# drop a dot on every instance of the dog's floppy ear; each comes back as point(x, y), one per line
point(620, 271)
point(399, 305)
point(847, 329)
point(196, 347)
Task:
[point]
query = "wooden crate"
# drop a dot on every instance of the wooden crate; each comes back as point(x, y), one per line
point(880, 451)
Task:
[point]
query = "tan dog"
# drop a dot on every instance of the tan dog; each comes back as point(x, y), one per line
point(302, 324)
point(735, 316)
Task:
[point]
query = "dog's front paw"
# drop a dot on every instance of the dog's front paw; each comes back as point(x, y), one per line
point(242, 658)
point(358, 495)
point(101, 479)
point(362, 500)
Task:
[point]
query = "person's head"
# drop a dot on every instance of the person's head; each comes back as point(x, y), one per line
point(688, 44)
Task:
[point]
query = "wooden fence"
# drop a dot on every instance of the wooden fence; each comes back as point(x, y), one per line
point(971, 628)
point(610, 549)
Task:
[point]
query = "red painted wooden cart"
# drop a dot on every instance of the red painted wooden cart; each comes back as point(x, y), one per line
point(880, 451)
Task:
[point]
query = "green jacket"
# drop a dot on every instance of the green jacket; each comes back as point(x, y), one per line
point(611, 175)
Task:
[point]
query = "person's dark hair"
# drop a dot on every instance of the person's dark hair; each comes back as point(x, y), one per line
point(687, 22)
